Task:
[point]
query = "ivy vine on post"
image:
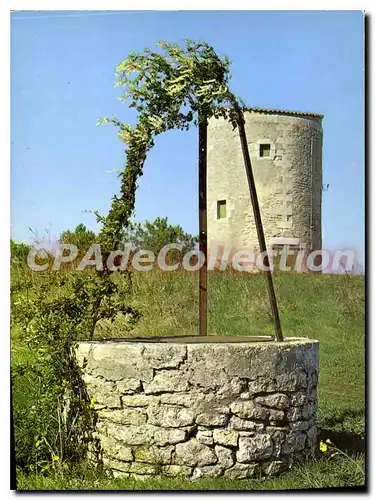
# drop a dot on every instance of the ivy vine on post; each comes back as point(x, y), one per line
point(174, 88)
point(169, 91)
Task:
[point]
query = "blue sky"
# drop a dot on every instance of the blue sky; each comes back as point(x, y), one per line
point(62, 74)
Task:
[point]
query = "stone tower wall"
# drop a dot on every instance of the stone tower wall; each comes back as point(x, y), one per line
point(288, 181)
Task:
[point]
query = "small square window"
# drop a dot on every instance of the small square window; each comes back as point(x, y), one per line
point(221, 209)
point(264, 150)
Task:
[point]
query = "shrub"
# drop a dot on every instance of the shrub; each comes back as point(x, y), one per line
point(81, 237)
point(155, 235)
point(52, 415)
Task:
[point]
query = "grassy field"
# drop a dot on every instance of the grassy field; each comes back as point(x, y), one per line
point(327, 307)
point(318, 474)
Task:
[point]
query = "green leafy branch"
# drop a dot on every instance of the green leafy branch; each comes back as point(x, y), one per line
point(171, 89)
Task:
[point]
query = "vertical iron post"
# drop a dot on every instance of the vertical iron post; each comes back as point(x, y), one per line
point(202, 189)
point(259, 226)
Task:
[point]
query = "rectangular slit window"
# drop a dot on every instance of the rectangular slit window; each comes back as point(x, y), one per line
point(221, 209)
point(264, 150)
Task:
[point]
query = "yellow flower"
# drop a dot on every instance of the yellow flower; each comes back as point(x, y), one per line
point(329, 441)
point(323, 447)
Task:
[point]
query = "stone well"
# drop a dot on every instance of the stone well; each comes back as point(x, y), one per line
point(194, 407)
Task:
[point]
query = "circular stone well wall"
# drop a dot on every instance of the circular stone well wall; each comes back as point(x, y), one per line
point(240, 410)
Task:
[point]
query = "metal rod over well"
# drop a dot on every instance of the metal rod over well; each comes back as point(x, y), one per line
point(259, 226)
point(202, 188)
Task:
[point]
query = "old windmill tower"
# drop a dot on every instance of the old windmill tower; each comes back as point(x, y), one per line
point(286, 155)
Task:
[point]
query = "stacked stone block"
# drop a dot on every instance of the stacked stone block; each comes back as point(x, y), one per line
point(238, 410)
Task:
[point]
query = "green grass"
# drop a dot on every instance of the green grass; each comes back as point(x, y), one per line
point(317, 474)
point(325, 307)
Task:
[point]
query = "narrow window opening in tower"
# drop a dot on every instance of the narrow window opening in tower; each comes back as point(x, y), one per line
point(221, 209)
point(264, 150)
